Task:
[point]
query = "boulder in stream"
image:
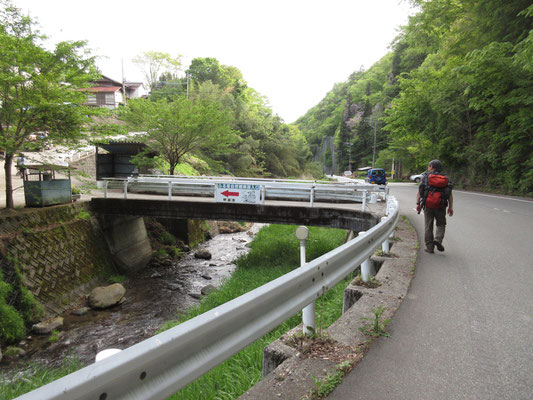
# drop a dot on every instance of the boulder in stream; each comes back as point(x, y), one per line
point(80, 312)
point(106, 296)
point(46, 327)
point(203, 254)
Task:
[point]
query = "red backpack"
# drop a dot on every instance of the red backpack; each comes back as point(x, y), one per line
point(437, 191)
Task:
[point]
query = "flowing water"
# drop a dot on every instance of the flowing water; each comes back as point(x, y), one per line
point(153, 296)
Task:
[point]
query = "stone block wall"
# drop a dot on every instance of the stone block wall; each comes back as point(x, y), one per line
point(86, 165)
point(59, 251)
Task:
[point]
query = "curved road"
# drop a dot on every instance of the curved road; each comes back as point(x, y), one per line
point(465, 329)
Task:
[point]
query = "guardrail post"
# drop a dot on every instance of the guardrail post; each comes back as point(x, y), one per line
point(126, 188)
point(312, 195)
point(364, 200)
point(263, 194)
point(105, 189)
point(385, 245)
point(390, 206)
point(170, 190)
point(308, 313)
point(365, 265)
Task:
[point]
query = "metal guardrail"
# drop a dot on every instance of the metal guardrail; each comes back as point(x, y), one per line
point(274, 189)
point(158, 367)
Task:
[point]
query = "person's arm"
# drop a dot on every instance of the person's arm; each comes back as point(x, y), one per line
point(418, 206)
point(450, 205)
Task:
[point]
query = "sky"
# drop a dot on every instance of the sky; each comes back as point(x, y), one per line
point(290, 51)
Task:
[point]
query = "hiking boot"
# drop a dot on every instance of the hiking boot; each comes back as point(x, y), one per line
point(429, 250)
point(438, 245)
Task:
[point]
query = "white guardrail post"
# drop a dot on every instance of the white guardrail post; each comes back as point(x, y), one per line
point(170, 190)
point(308, 313)
point(385, 245)
point(365, 265)
point(105, 189)
point(160, 366)
point(126, 188)
point(364, 201)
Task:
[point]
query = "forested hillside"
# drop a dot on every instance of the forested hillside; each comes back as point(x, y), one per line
point(211, 119)
point(457, 85)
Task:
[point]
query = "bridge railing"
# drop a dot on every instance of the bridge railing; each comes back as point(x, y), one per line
point(272, 189)
point(160, 366)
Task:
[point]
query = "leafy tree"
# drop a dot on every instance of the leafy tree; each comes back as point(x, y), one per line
point(154, 63)
point(209, 69)
point(38, 90)
point(182, 126)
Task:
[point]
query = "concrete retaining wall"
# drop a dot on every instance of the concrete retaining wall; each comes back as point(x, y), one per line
point(86, 165)
point(59, 251)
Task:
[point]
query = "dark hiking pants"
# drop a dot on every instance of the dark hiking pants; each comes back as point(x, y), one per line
point(439, 216)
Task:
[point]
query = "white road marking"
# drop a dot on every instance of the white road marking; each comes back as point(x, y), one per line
point(493, 196)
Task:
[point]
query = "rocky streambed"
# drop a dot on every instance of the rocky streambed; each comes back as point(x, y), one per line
point(152, 297)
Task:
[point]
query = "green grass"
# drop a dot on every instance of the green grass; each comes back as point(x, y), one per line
point(274, 252)
point(36, 376)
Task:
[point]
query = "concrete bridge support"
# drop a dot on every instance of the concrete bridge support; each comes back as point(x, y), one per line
point(128, 241)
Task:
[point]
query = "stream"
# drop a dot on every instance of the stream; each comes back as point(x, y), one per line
point(153, 296)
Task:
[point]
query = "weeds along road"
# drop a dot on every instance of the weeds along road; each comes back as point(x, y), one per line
point(465, 330)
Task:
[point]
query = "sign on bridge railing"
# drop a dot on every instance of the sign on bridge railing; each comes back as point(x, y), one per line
point(237, 193)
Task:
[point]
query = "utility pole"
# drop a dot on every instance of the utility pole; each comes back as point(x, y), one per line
point(374, 147)
point(350, 157)
point(373, 120)
point(123, 84)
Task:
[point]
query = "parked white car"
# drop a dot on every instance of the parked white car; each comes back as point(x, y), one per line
point(416, 178)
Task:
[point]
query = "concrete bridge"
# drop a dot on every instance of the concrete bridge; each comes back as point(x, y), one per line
point(125, 232)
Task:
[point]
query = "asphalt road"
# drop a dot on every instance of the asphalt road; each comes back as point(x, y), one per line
point(465, 330)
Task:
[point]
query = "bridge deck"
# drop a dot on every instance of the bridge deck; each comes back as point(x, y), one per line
point(345, 217)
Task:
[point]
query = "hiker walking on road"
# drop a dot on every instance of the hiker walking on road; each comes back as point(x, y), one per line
point(434, 195)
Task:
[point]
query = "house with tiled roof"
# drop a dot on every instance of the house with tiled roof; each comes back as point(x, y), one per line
point(109, 93)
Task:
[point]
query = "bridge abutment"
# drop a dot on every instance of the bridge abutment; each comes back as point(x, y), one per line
point(128, 241)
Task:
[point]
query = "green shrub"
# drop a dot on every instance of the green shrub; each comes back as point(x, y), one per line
point(167, 238)
point(174, 251)
point(12, 325)
point(83, 215)
point(30, 308)
point(54, 336)
point(11, 322)
point(15, 318)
